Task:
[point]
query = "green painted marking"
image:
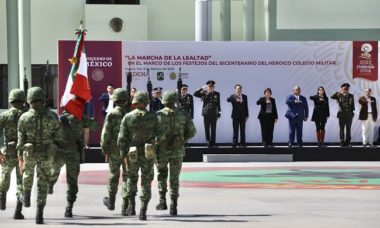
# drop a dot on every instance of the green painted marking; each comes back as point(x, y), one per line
point(288, 176)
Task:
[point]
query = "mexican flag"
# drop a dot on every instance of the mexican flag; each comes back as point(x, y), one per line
point(77, 91)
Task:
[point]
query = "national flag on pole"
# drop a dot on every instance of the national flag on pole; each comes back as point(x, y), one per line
point(77, 91)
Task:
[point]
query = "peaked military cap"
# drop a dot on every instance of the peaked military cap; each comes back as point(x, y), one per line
point(157, 89)
point(345, 85)
point(210, 82)
point(185, 86)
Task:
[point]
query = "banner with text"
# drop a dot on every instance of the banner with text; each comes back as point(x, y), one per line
point(255, 65)
point(104, 67)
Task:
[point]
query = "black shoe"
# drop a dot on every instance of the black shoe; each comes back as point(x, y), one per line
point(290, 145)
point(69, 212)
point(3, 201)
point(342, 144)
point(25, 199)
point(131, 210)
point(348, 145)
point(124, 207)
point(142, 215)
point(173, 211)
point(242, 145)
point(234, 145)
point(18, 215)
point(372, 145)
point(109, 203)
point(50, 189)
point(162, 206)
point(209, 145)
point(39, 215)
point(300, 144)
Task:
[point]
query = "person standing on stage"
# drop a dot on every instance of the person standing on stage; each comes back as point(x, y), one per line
point(267, 116)
point(239, 115)
point(106, 99)
point(368, 116)
point(186, 102)
point(321, 113)
point(156, 104)
point(298, 111)
point(346, 113)
point(211, 109)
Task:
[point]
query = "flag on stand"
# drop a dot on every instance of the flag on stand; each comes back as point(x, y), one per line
point(77, 90)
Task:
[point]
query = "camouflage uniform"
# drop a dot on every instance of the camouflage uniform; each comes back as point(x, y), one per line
point(38, 133)
point(8, 124)
point(177, 127)
point(71, 156)
point(136, 140)
point(108, 143)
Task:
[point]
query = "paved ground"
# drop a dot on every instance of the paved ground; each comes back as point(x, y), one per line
point(313, 194)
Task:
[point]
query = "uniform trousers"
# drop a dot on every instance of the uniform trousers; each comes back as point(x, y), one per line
point(210, 124)
point(368, 130)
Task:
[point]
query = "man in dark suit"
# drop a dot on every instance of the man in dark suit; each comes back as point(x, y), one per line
point(186, 102)
point(239, 114)
point(368, 116)
point(298, 111)
point(210, 110)
point(155, 104)
point(346, 112)
point(105, 98)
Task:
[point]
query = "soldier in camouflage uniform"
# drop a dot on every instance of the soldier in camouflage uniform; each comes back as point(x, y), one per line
point(108, 143)
point(138, 131)
point(71, 155)
point(177, 127)
point(8, 155)
point(39, 134)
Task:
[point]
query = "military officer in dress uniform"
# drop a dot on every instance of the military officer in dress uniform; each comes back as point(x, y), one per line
point(186, 102)
point(155, 104)
point(210, 110)
point(346, 112)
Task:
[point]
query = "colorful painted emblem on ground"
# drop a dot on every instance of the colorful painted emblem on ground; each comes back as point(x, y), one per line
point(283, 178)
point(367, 178)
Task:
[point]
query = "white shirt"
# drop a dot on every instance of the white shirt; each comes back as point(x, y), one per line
point(110, 104)
point(369, 104)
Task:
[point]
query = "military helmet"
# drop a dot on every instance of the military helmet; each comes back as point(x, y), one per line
point(119, 94)
point(35, 94)
point(170, 97)
point(140, 98)
point(16, 95)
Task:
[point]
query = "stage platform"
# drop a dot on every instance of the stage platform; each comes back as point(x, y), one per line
point(195, 153)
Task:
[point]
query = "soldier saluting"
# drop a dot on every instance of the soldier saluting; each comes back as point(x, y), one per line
point(346, 112)
point(210, 110)
point(186, 101)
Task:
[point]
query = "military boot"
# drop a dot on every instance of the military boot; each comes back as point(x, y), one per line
point(50, 189)
point(3, 201)
point(124, 207)
point(173, 207)
point(109, 202)
point(25, 199)
point(39, 215)
point(69, 210)
point(18, 214)
point(144, 206)
point(131, 206)
point(162, 204)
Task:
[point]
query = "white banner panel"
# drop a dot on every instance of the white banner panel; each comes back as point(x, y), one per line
point(256, 65)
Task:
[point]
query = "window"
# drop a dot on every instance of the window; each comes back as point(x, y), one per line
point(3, 86)
point(42, 76)
point(121, 2)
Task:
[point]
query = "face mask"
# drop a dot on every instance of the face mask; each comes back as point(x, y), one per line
point(38, 106)
point(18, 104)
